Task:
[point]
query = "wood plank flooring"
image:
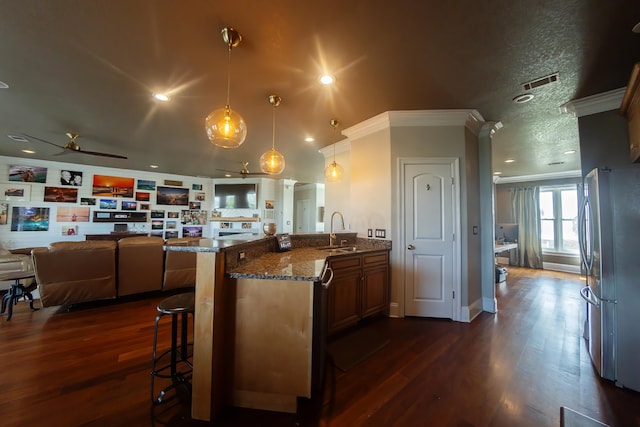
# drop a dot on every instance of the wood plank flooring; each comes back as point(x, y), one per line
point(90, 367)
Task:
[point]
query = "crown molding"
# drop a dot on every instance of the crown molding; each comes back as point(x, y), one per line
point(594, 104)
point(341, 147)
point(539, 177)
point(418, 118)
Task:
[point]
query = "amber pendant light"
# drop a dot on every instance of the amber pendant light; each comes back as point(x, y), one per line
point(272, 162)
point(333, 172)
point(225, 127)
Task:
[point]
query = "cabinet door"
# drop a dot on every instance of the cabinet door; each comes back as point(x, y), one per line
point(344, 298)
point(375, 290)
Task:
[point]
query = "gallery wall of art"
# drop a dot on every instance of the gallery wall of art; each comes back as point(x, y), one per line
point(43, 202)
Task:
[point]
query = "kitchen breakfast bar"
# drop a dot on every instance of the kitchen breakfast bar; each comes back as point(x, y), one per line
point(260, 321)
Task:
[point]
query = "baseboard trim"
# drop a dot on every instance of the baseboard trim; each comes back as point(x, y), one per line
point(470, 312)
point(575, 269)
point(394, 310)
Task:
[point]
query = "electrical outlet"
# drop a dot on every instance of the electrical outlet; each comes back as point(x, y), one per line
point(369, 233)
point(241, 255)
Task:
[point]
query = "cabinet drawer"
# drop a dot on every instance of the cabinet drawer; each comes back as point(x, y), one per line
point(376, 258)
point(346, 262)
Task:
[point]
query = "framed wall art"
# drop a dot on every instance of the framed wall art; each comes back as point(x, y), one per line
point(27, 173)
point(60, 194)
point(172, 196)
point(112, 186)
point(15, 192)
point(29, 219)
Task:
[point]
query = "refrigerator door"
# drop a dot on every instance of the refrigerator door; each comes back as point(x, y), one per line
point(597, 244)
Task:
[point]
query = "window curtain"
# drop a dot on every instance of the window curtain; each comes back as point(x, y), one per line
point(525, 209)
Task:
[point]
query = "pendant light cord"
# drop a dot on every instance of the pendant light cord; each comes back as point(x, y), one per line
point(229, 75)
point(273, 135)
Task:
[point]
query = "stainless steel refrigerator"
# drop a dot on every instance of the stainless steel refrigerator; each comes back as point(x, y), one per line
point(610, 251)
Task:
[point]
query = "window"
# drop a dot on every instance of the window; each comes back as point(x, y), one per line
point(559, 219)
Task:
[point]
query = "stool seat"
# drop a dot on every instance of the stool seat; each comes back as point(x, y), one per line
point(179, 303)
point(178, 307)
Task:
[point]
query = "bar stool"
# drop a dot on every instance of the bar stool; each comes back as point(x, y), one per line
point(177, 306)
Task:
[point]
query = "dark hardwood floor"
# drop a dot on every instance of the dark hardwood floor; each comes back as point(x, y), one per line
point(90, 367)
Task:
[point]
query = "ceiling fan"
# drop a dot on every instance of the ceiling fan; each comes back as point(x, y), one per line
point(244, 171)
point(74, 147)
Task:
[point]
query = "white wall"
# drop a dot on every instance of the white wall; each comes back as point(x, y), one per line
point(371, 184)
point(18, 239)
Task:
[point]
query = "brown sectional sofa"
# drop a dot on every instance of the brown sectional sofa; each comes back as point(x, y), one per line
point(75, 272)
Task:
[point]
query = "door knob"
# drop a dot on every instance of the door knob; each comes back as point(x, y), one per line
point(411, 247)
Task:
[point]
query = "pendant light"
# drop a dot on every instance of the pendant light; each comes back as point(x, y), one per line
point(333, 172)
point(272, 162)
point(225, 127)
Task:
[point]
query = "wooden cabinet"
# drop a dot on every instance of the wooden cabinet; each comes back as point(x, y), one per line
point(360, 288)
point(631, 109)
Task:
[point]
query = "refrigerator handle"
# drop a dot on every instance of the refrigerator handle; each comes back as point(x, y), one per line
point(589, 297)
point(581, 234)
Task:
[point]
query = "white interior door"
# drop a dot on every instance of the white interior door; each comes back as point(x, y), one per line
point(429, 215)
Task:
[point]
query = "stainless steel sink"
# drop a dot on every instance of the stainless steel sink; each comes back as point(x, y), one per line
point(338, 248)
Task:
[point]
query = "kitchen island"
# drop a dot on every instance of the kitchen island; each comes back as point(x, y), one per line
point(260, 324)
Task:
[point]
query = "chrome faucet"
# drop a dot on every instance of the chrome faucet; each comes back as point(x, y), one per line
point(332, 235)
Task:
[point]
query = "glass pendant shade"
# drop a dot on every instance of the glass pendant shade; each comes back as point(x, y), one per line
point(333, 172)
point(226, 128)
point(272, 162)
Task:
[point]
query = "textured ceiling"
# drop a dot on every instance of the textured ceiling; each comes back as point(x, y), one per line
point(90, 67)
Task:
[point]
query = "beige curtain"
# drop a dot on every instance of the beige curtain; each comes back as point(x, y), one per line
point(525, 208)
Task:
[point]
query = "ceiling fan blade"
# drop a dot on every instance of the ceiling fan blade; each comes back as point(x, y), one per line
point(45, 141)
point(96, 153)
point(67, 149)
point(226, 170)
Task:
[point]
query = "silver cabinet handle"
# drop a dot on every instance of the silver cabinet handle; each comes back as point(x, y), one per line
point(328, 282)
point(411, 247)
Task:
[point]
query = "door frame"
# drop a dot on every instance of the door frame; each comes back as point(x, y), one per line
point(454, 162)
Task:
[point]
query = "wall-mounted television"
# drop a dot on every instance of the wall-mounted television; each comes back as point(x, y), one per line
point(235, 196)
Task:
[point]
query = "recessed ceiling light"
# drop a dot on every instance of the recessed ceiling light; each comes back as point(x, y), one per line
point(18, 138)
point(569, 152)
point(309, 139)
point(28, 151)
point(327, 79)
point(497, 173)
point(153, 166)
point(521, 99)
point(3, 85)
point(509, 161)
point(228, 175)
point(161, 97)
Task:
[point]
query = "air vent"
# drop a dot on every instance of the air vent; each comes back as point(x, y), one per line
point(555, 163)
point(551, 78)
point(18, 138)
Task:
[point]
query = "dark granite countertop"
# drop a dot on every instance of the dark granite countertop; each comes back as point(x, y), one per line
point(215, 245)
point(305, 264)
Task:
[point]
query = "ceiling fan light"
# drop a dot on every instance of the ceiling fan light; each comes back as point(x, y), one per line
point(272, 162)
point(333, 172)
point(226, 128)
